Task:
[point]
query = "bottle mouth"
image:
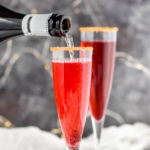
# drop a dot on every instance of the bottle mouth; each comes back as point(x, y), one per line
point(65, 25)
point(59, 25)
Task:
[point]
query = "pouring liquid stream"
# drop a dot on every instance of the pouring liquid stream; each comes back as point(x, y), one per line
point(70, 43)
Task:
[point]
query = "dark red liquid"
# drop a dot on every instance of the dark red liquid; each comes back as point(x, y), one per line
point(72, 89)
point(102, 75)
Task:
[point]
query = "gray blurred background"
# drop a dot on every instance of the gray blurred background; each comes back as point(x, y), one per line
point(26, 87)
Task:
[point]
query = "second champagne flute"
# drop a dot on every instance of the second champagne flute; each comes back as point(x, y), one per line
point(103, 40)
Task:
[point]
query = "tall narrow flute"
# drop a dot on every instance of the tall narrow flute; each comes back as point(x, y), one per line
point(103, 41)
point(71, 79)
point(13, 24)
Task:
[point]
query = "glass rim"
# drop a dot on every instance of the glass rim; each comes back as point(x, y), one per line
point(98, 29)
point(55, 49)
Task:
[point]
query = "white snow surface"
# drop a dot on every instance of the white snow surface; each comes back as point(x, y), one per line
point(125, 137)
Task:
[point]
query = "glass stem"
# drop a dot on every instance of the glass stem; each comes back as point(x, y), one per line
point(97, 129)
point(72, 149)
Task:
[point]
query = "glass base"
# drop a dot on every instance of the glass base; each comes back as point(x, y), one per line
point(72, 149)
point(97, 129)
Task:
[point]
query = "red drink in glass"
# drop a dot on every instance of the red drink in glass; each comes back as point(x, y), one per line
point(102, 74)
point(71, 80)
point(103, 40)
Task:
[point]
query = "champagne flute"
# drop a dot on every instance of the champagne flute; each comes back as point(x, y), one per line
point(71, 79)
point(103, 40)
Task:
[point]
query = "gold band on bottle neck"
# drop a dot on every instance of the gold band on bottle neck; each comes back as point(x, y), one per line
point(98, 29)
point(54, 49)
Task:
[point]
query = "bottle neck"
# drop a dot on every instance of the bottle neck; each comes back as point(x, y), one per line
point(36, 25)
point(55, 25)
point(10, 20)
point(10, 24)
point(15, 24)
point(6, 13)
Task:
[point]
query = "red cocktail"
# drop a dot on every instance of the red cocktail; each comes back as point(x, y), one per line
point(103, 41)
point(71, 78)
point(102, 74)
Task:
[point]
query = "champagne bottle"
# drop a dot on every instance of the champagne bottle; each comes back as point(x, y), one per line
point(13, 24)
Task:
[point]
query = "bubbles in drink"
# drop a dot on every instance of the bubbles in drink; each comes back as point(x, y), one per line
point(70, 43)
point(75, 60)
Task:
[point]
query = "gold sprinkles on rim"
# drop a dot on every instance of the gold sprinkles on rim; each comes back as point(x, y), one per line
point(71, 48)
point(98, 29)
